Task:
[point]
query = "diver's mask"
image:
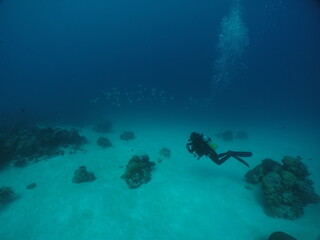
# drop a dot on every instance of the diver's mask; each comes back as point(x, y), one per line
point(206, 139)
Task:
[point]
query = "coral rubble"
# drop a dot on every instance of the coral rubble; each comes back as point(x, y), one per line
point(286, 188)
point(138, 171)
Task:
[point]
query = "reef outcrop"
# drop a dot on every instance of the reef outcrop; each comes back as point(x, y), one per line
point(104, 142)
point(127, 135)
point(23, 145)
point(280, 236)
point(286, 188)
point(7, 195)
point(165, 152)
point(81, 175)
point(138, 171)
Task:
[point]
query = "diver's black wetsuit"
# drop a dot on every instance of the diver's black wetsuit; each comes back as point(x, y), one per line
point(199, 147)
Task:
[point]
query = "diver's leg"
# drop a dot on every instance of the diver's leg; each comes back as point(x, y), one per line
point(240, 154)
point(215, 157)
point(222, 157)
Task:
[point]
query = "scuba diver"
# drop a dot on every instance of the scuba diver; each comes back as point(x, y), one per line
point(201, 145)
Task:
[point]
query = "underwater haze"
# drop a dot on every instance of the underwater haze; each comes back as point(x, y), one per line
point(57, 56)
point(161, 69)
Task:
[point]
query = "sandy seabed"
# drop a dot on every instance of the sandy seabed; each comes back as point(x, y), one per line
point(185, 199)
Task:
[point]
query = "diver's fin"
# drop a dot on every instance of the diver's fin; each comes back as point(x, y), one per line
point(241, 160)
point(237, 156)
point(240, 154)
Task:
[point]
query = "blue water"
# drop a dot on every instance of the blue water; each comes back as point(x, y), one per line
point(56, 56)
point(251, 63)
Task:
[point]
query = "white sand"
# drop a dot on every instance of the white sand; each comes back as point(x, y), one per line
point(185, 199)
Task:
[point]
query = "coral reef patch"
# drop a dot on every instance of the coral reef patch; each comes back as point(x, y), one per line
point(81, 175)
point(286, 188)
point(127, 135)
point(7, 195)
point(241, 135)
point(138, 171)
point(34, 143)
point(104, 142)
point(280, 236)
point(227, 136)
point(165, 152)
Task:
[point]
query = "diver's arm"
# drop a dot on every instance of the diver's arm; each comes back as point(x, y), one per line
point(189, 147)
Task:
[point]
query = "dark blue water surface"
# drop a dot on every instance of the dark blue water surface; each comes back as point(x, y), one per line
point(70, 58)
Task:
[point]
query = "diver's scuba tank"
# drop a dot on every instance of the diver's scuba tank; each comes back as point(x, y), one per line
point(211, 144)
